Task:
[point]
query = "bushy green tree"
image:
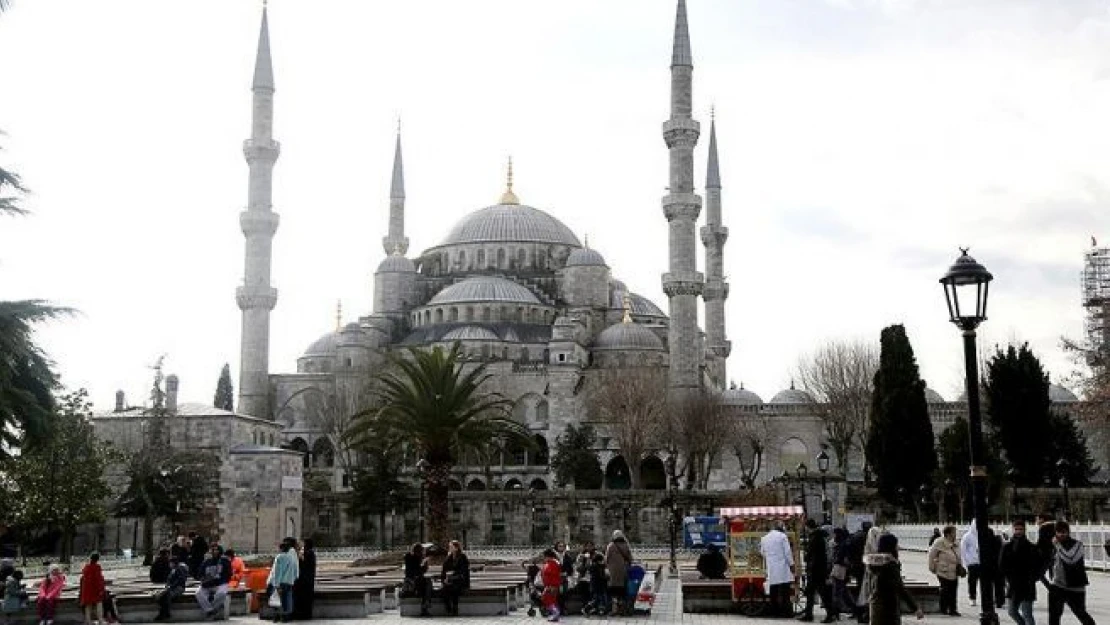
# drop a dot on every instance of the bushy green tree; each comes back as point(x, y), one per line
point(575, 461)
point(1068, 443)
point(225, 393)
point(900, 442)
point(1018, 408)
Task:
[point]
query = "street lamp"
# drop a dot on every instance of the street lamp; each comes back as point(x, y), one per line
point(392, 518)
point(422, 471)
point(966, 286)
point(784, 477)
point(671, 484)
point(1011, 475)
point(823, 467)
point(1062, 468)
point(257, 506)
point(802, 471)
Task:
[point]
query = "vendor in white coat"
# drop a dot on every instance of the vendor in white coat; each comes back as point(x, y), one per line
point(969, 553)
point(778, 560)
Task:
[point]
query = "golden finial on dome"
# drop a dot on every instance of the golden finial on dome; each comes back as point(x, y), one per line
point(587, 240)
point(397, 250)
point(338, 315)
point(508, 197)
point(627, 302)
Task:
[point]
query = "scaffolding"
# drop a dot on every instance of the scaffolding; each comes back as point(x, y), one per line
point(1096, 297)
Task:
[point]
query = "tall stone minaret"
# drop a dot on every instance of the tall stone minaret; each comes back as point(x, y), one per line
point(683, 283)
point(256, 297)
point(713, 236)
point(396, 241)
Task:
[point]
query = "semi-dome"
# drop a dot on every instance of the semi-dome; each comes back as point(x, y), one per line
point(628, 336)
point(586, 257)
point(640, 306)
point(395, 263)
point(1059, 394)
point(510, 223)
point(484, 289)
point(792, 396)
point(740, 397)
point(471, 333)
point(933, 397)
point(323, 346)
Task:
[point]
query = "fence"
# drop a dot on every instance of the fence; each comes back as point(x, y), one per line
point(1092, 535)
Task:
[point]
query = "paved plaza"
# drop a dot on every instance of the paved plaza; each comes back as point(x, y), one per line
point(668, 608)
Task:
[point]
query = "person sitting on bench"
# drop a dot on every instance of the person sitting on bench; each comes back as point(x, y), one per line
point(175, 586)
point(215, 575)
point(416, 584)
point(712, 563)
point(455, 577)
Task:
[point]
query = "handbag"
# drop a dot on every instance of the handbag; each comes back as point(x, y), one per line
point(275, 599)
point(961, 571)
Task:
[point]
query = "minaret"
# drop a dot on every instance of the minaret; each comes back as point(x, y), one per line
point(256, 297)
point(683, 283)
point(713, 236)
point(396, 240)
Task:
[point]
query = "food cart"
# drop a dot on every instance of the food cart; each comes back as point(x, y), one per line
point(747, 571)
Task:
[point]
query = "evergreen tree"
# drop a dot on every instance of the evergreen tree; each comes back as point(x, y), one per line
point(1069, 444)
point(225, 393)
point(900, 443)
point(575, 461)
point(954, 447)
point(1017, 406)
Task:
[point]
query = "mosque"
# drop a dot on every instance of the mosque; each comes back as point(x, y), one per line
point(521, 293)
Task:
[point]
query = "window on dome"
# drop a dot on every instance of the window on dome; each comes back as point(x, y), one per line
point(485, 313)
point(462, 259)
point(453, 313)
point(481, 259)
point(521, 258)
point(501, 258)
point(439, 315)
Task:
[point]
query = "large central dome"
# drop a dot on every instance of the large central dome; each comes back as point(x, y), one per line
point(510, 223)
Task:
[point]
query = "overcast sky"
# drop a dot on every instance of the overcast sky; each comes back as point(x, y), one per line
point(861, 142)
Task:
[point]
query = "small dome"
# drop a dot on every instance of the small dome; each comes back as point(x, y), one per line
point(740, 397)
point(586, 257)
point(323, 346)
point(617, 285)
point(932, 396)
point(792, 396)
point(641, 306)
point(628, 336)
point(512, 223)
point(484, 289)
point(471, 333)
point(1059, 394)
point(395, 263)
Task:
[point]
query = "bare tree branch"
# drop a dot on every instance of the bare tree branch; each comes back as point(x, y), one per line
point(748, 436)
point(631, 405)
point(839, 375)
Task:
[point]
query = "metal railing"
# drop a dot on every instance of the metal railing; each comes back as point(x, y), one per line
point(915, 537)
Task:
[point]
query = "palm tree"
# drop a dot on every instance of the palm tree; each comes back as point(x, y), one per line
point(433, 401)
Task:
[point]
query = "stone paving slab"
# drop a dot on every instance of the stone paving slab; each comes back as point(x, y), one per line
point(668, 609)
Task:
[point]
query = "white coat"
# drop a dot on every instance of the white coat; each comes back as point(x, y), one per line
point(969, 547)
point(777, 558)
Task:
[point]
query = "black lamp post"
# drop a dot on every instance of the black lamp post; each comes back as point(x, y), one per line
point(1062, 468)
point(532, 517)
point(392, 518)
point(802, 470)
point(785, 479)
point(422, 471)
point(823, 467)
point(672, 487)
point(1011, 475)
point(966, 286)
point(257, 506)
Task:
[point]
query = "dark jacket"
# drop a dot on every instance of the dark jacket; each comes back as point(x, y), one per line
point(1020, 565)
point(457, 567)
point(415, 567)
point(887, 589)
point(599, 580)
point(159, 570)
point(817, 555)
point(712, 565)
point(215, 572)
point(1046, 534)
point(176, 580)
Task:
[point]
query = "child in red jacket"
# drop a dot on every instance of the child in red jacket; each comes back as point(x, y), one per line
point(552, 576)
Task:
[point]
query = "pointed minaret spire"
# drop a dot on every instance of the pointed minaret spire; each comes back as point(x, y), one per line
point(713, 236)
point(682, 283)
point(263, 67)
point(681, 53)
point(396, 238)
point(259, 222)
point(338, 315)
point(508, 197)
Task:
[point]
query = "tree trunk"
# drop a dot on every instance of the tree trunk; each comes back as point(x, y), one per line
point(67, 544)
point(381, 529)
point(148, 539)
point(438, 517)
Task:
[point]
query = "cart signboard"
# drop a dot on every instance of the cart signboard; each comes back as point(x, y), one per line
point(746, 528)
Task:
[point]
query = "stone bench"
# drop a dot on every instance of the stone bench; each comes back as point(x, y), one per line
point(478, 600)
point(336, 601)
point(715, 596)
point(140, 607)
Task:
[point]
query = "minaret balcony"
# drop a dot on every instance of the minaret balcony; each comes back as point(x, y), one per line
point(722, 349)
point(256, 222)
point(682, 132)
point(256, 296)
point(261, 150)
point(683, 283)
point(681, 206)
point(714, 236)
point(715, 289)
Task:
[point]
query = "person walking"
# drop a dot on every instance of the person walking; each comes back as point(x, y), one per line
point(50, 591)
point(174, 587)
point(618, 558)
point(1019, 565)
point(944, 562)
point(304, 589)
point(551, 577)
point(1068, 585)
point(582, 564)
point(870, 547)
point(936, 534)
point(817, 574)
point(779, 563)
point(566, 565)
point(283, 573)
point(887, 591)
point(599, 586)
point(969, 555)
point(838, 572)
point(215, 576)
point(416, 582)
point(91, 594)
point(455, 577)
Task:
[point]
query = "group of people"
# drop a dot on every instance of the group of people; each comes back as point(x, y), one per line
point(13, 592)
point(869, 555)
point(454, 577)
point(601, 578)
point(1013, 567)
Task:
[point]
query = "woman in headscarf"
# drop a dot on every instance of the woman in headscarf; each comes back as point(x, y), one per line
point(618, 558)
point(870, 547)
point(887, 591)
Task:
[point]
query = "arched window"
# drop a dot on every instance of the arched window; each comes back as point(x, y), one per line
point(462, 259)
point(652, 474)
point(541, 411)
point(439, 315)
point(792, 453)
point(481, 259)
point(512, 484)
point(521, 258)
point(475, 485)
point(617, 475)
point(516, 454)
point(454, 484)
point(324, 453)
point(537, 484)
point(453, 313)
point(469, 314)
point(501, 258)
point(540, 455)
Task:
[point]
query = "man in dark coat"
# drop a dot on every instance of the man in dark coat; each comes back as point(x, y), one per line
point(817, 574)
point(855, 552)
point(304, 589)
point(712, 563)
point(198, 552)
point(1020, 565)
